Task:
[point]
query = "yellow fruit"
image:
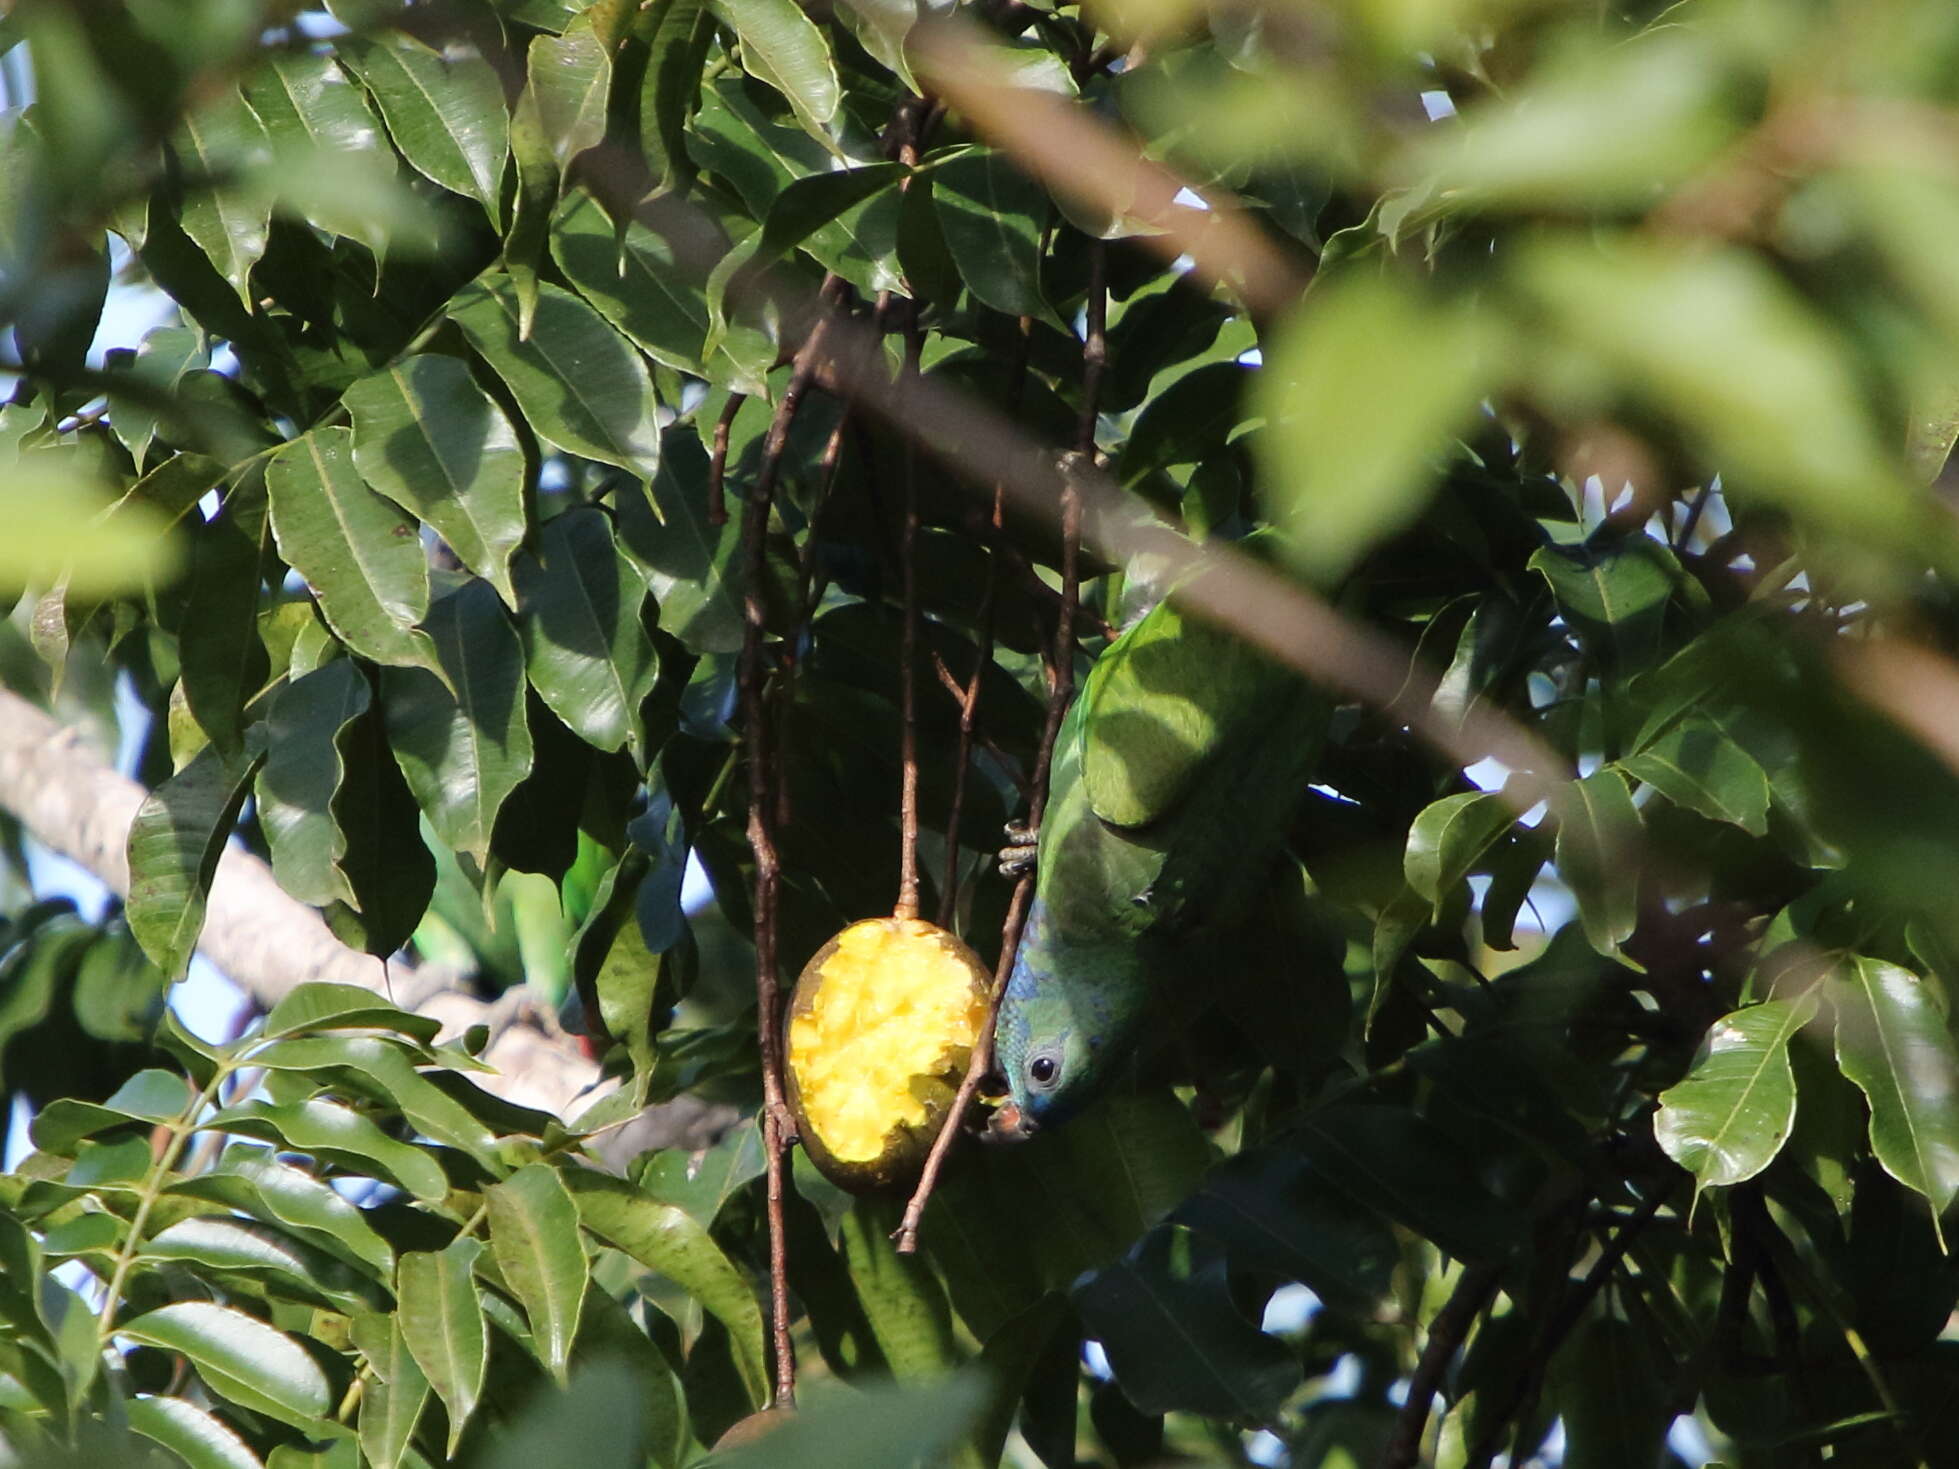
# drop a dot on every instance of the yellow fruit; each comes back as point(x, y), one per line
point(881, 1026)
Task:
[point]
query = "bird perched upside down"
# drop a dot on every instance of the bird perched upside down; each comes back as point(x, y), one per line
point(1174, 778)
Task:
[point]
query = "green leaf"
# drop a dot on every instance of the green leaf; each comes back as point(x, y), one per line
point(229, 223)
point(463, 753)
point(1892, 1041)
point(240, 1358)
point(883, 1428)
point(669, 1241)
point(534, 1234)
point(360, 554)
point(193, 1435)
point(386, 1071)
point(302, 773)
point(1361, 395)
point(148, 1098)
point(221, 655)
point(158, 366)
point(1612, 1387)
point(638, 281)
point(900, 1295)
point(1696, 765)
point(702, 1182)
point(1614, 593)
point(249, 1248)
point(1409, 1170)
point(395, 1393)
point(782, 46)
point(1598, 830)
point(1593, 128)
point(586, 650)
point(677, 35)
point(175, 842)
point(308, 106)
point(597, 1419)
point(583, 389)
point(253, 1181)
point(1728, 1118)
point(1175, 1338)
point(443, 1325)
point(443, 109)
point(691, 565)
point(51, 503)
point(339, 1135)
point(1448, 839)
point(1722, 345)
point(1268, 1207)
point(992, 215)
point(436, 444)
point(570, 75)
point(318, 1005)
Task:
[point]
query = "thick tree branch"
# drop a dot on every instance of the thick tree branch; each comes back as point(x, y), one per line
point(265, 941)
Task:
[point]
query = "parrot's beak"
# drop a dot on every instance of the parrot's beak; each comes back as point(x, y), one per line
point(1009, 1124)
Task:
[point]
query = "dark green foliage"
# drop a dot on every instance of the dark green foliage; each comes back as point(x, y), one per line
point(1611, 1086)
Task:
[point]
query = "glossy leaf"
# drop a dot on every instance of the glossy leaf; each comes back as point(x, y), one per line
point(443, 1326)
point(900, 1295)
point(223, 663)
point(253, 1181)
point(302, 772)
point(639, 280)
point(534, 1235)
point(395, 1394)
point(1361, 395)
point(1614, 593)
point(1697, 765)
point(583, 389)
point(239, 1357)
point(463, 752)
point(444, 111)
point(1892, 1041)
point(570, 75)
point(297, 1270)
point(433, 442)
point(318, 1005)
point(193, 1435)
point(1449, 839)
point(784, 47)
point(1725, 1122)
point(579, 612)
point(228, 222)
point(1598, 826)
point(360, 555)
point(691, 564)
point(387, 1070)
point(666, 1239)
point(175, 842)
point(1166, 1318)
point(338, 1134)
point(991, 215)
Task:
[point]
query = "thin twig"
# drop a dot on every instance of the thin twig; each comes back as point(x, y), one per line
point(717, 463)
point(983, 655)
point(1061, 692)
point(1524, 1389)
point(1445, 1337)
point(777, 1126)
point(907, 905)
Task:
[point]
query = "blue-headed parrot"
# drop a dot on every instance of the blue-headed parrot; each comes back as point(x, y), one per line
point(1174, 778)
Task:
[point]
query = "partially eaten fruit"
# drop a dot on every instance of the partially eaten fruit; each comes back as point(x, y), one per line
point(881, 1026)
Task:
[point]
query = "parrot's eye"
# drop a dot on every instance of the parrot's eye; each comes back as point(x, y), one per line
point(1043, 1069)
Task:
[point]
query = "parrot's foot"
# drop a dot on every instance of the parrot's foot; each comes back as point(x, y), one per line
point(1017, 856)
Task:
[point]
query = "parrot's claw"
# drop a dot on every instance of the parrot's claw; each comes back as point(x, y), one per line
point(1017, 857)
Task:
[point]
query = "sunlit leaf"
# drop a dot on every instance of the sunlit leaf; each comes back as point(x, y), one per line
point(534, 1235)
point(239, 1357)
point(1725, 1122)
point(443, 1326)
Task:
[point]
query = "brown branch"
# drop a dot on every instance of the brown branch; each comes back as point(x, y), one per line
point(1524, 1388)
point(717, 463)
point(777, 1126)
point(907, 905)
point(1445, 1337)
point(1061, 692)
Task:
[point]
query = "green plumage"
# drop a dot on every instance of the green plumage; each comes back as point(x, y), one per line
point(1174, 778)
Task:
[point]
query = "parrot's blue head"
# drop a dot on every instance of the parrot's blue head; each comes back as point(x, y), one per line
point(1051, 1042)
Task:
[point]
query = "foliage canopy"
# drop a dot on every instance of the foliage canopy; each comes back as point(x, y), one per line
point(1601, 356)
